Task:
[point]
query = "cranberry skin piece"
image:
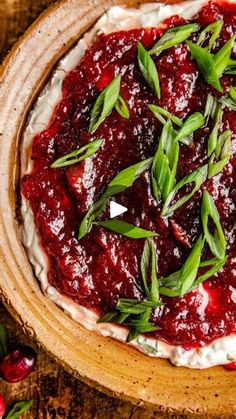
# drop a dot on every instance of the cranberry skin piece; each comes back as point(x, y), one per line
point(17, 364)
point(2, 406)
point(231, 366)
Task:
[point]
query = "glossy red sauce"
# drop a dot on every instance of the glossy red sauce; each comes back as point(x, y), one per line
point(103, 265)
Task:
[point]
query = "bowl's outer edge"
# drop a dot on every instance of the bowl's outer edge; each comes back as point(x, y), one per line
point(108, 365)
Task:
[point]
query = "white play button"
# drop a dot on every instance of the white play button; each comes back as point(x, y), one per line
point(116, 209)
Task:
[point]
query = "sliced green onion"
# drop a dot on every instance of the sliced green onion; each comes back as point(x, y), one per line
point(95, 210)
point(126, 229)
point(216, 266)
point(174, 37)
point(18, 409)
point(165, 163)
point(159, 112)
point(182, 281)
point(210, 107)
point(232, 94)
point(72, 158)
point(216, 241)
point(214, 28)
point(118, 184)
point(149, 70)
point(206, 65)
point(191, 124)
point(221, 59)
point(104, 104)
point(148, 265)
point(135, 306)
point(126, 178)
point(197, 177)
point(122, 108)
point(221, 155)
point(212, 141)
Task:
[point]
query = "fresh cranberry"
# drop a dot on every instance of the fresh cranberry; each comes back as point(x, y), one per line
point(2, 406)
point(17, 364)
point(231, 366)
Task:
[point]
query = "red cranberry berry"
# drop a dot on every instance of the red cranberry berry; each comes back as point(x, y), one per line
point(2, 406)
point(231, 366)
point(17, 364)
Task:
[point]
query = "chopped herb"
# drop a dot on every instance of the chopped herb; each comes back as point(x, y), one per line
point(220, 157)
point(159, 113)
point(104, 104)
point(221, 59)
point(216, 266)
point(165, 163)
point(126, 178)
point(72, 158)
point(191, 124)
point(18, 409)
point(232, 94)
point(216, 241)
point(197, 177)
point(212, 141)
point(126, 229)
point(137, 313)
point(206, 65)
point(95, 210)
point(184, 279)
point(118, 184)
point(135, 306)
point(122, 108)
point(174, 36)
point(149, 70)
point(211, 107)
point(214, 28)
point(148, 265)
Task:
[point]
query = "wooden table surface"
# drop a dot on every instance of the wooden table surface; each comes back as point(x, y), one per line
point(56, 393)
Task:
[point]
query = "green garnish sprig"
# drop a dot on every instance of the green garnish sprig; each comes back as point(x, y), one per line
point(136, 313)
point(182, 281)
point(230, 99)
point(78, 155)
point(165, 163)
point(186, 128)
point(122, 108)
point(19, 408)
point(126, 229)
point(219, 146)
point(173, 37)
point(197, 178)
point(214, 29)
point(118, 184)
point(216, 241)
point(212, 66)
point(104, 103)
point(149, 70)
point(163, 115)
point(221, 155)
point(231, 68)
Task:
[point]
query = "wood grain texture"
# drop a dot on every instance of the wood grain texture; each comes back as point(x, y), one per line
point(57, 394)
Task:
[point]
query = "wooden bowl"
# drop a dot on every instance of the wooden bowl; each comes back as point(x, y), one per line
point(102, 362)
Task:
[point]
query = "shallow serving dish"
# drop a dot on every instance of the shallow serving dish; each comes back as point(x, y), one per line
point(102, 362)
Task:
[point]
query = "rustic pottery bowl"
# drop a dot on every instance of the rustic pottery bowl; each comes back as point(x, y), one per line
point(102, 362)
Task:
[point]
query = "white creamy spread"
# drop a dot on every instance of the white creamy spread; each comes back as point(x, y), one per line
point(222, 350)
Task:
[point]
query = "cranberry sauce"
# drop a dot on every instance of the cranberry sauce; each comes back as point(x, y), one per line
point(104, 266)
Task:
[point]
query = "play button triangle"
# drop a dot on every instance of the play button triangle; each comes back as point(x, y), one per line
point(116, 209)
